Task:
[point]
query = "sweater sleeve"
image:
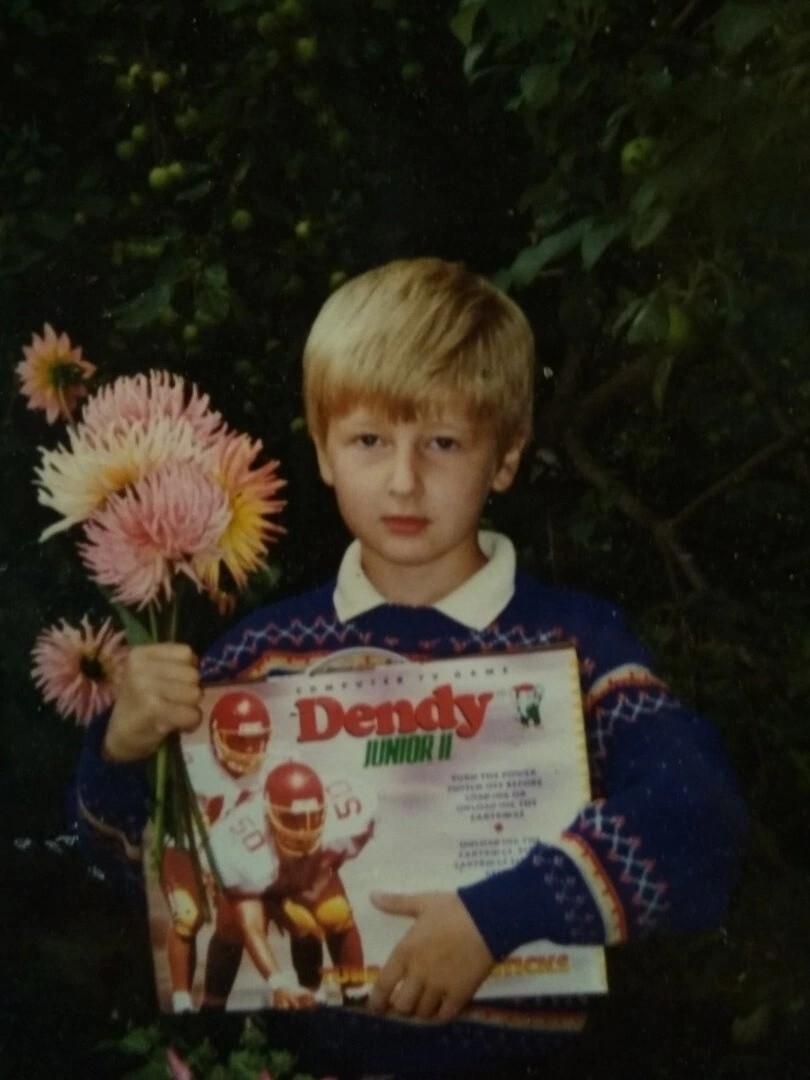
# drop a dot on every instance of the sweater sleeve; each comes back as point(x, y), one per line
point(658, 848)
point(109, 805)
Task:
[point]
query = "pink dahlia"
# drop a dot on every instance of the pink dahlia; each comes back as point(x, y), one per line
point(76, 668)
point(250, 491)
point(78, 479)
point(140, 400)
point(54, 374)
point(146, 534)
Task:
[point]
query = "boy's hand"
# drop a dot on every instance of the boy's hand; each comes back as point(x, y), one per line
point(159, 692)
point(438, 965)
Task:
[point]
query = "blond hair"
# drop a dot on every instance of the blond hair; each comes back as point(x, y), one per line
point(414, 337)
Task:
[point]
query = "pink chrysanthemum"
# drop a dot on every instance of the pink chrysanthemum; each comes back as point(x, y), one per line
point(78, 479)
point(54, 374)
point(250, 491)
point(76, 668)
point(140, 400)
point(153, 530)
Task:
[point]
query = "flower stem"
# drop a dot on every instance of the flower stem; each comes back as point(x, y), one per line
point(201, 826)
point(161, 776)
point(187, 802)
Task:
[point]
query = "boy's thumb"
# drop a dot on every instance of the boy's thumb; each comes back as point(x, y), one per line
point(397, 903)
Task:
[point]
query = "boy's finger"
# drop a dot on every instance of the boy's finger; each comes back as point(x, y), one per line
point(177, 692)
point(188, 718)
point(178, 718)
point(175, 651)
point(391, 974)
point(398, 903)
point(429, 1003)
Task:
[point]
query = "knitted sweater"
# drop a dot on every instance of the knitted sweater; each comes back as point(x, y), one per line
point(656, 848)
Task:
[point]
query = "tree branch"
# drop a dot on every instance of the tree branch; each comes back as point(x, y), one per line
point(662, 532)
point(740, 472)
point(771, 406)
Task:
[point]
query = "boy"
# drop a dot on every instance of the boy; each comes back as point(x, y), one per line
point(418, 390)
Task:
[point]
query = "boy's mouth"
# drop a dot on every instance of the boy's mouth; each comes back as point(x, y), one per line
point(403, 525)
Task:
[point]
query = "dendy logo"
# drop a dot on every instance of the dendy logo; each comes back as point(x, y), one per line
point(324, 717)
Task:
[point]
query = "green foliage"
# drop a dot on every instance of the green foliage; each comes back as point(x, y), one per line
point(251, 1057)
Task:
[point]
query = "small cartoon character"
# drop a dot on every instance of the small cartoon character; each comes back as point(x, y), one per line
point(528, 697)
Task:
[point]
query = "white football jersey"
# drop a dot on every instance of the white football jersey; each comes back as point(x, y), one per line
point(249, 863)
point(218, 791)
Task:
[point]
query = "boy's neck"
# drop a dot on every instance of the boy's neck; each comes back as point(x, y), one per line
point(420, 586)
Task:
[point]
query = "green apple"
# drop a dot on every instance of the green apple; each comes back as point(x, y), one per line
point(190, 333)
point(679, 326)
point(303, 229)
point(159, 178)
point(306, 49)
point(139, 133)
point(291, 9)
point(336, 278)
point(160, 80)
point(265, 24)
point(241, 220)
point(176, 171)
point(187, 120)
point(638, 155)
point(125, 150)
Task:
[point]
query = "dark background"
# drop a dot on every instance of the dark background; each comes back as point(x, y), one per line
point(637, 175)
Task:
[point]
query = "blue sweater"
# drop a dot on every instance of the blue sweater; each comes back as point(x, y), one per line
point(656, 848)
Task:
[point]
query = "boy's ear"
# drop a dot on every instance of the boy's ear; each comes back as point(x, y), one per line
point(510, 462)
point(324, 466)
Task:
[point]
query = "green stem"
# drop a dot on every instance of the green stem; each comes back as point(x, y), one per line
point(174, 614)
point(161, 776)
point(186, 802)
point(202, 828)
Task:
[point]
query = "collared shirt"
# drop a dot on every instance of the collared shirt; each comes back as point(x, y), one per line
point(474, 604)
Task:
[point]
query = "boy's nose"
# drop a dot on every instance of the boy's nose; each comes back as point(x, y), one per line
point(404, 475)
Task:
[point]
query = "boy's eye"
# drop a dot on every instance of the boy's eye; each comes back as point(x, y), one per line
point(367, 439)
point(444, 442)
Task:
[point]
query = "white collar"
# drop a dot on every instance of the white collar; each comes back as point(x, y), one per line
point(474, 604)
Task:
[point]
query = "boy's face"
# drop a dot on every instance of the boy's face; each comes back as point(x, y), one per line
point(412, 493)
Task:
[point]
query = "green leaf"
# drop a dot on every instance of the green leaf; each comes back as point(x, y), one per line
point(660, 381)
point(49, 226)
point(651, 323)
point(136, 632)
point(532, 260)
point(462, 24)
point(471, 58)
point(146, 308)
point(523, 18)
point(736, 26)
point(139, 1040)
point(649, 227)
point(195, 193)
point(539, 85)
point(225, 6)
point(213, 295)
point(598, 239)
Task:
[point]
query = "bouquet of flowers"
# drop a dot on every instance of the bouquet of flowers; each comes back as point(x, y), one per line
point(162, 492)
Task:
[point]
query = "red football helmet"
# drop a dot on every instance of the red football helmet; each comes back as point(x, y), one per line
point(296, 808)
point(240, 731)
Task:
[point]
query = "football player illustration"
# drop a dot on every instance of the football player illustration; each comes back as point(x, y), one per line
point(280, 858)
point(224, 771)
